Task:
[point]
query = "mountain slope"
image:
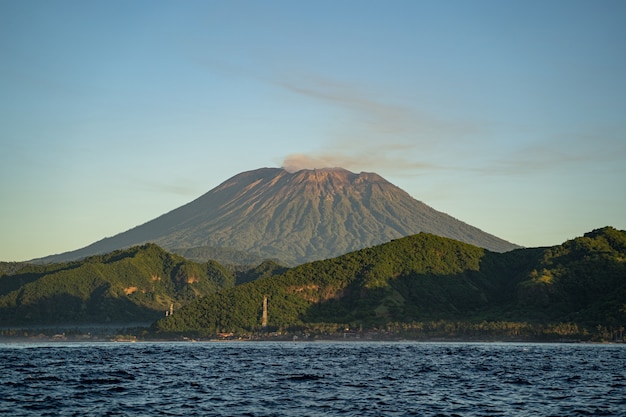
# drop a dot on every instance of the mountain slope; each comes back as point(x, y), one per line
point(425, 278)
point(584, 279)
point(132, 285)
point(295, 218)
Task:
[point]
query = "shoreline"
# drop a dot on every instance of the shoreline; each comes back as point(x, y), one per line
point(63, 339)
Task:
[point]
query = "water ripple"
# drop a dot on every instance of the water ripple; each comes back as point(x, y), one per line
point(315, 379)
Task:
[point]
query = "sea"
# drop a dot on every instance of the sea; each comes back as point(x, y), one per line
point(312, 379)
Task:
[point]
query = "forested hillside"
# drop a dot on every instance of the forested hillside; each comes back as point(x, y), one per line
point(582, 280)
point(416, 282)
point(131, 285)
point(421, 286)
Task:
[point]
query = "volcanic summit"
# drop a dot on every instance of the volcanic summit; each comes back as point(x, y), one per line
point(294, 217)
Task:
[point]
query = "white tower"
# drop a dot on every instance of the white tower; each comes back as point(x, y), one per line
point(264, 318)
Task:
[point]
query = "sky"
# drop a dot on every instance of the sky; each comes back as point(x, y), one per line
point(507, 115)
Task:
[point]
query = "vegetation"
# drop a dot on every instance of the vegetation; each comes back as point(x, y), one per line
point(265, 269)
point(583, 280)
point(432, 286)
point(138, 284)
point(419, 287)
point(225, 256)
point(11, 267)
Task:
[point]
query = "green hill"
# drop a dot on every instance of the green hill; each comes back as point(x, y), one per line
point(137, 284)
point(421, 286)
point(424, 282)
point(582, 280)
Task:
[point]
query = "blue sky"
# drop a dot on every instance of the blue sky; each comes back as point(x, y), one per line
point(508, 115)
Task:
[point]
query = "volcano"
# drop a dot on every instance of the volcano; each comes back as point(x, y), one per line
point(294, 218)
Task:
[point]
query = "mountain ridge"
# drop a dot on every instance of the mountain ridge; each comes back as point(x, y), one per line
point(294, 217)
point(426, 283)
point(130, 285)
point(417, 286)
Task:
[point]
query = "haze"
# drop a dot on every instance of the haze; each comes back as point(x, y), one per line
point(506, 115)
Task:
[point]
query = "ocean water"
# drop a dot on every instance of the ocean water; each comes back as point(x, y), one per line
point(312, 379)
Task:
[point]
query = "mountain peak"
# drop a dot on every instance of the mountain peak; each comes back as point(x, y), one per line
point(334, 172)
point(337, 176)
point(295, 217)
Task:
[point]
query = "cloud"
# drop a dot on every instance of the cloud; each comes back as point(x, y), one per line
point(374, 112)
point(377, 115)
point(562, 152)
point(373, 133)
point(355, 161)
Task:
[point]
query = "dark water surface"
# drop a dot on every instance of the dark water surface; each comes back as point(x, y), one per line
point(313, 379)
